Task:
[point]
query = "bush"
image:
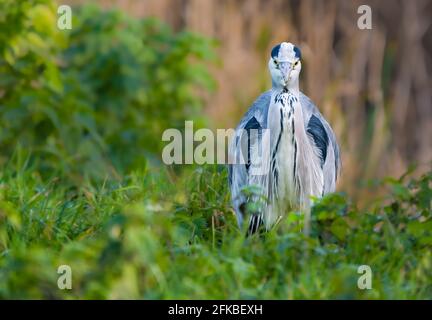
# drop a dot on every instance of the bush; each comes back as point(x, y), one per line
point(146, 237)
point(95, 100)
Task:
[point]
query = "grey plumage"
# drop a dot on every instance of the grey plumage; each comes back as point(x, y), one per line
point(301, 160)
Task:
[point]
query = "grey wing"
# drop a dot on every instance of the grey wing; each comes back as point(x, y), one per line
point(242, 147)
point(324, 140)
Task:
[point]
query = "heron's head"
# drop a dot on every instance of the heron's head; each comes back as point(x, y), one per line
point(285, 65)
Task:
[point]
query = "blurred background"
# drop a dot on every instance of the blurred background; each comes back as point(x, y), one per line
point(374, 86)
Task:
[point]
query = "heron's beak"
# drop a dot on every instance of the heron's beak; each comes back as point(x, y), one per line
point(285, 68)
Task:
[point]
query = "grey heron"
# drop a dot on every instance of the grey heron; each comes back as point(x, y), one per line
point(284, 135)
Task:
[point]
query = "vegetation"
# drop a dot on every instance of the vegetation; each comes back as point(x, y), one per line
point(96, 99)
point(151, 237)
point(81, 116)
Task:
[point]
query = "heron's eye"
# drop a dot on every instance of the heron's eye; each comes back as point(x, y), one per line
point(275, 62)
point(296, 63)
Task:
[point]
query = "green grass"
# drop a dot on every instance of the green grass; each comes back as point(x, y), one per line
point(159, 235)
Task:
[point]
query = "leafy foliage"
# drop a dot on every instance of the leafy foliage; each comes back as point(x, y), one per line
point(96, 99)
point(147, 237)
